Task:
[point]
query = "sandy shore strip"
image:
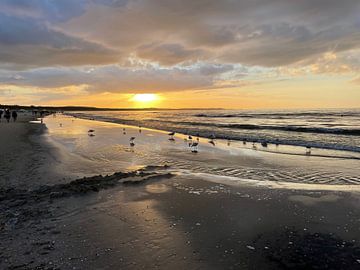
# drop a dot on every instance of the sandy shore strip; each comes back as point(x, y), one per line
point(163, 212)
point(25, 156)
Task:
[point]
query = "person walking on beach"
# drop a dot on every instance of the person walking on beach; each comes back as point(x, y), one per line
point(1, 112)
point(14, 115)
point(7, 115)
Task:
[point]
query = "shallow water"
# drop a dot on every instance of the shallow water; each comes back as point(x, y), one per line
point(110, 151)
point(330, 129)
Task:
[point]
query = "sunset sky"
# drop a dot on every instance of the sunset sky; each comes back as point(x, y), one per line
point(194, 53)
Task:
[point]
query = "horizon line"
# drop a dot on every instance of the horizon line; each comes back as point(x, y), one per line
point(77, 107)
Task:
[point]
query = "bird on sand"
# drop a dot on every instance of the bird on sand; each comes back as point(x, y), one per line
point(171, 136)
point(212, 142)
point(212, 138)
point(91, 132)
point(194, 147)
point(264, 144)
point(132, 143)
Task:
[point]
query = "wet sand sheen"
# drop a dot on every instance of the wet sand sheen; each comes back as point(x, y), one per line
point(109, 151)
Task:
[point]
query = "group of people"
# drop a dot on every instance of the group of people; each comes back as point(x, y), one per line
point(8, 114)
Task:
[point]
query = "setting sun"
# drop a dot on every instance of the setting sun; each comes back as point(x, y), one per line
point(145, 99)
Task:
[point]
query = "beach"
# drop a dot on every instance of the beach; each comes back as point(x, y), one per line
point(157, 205)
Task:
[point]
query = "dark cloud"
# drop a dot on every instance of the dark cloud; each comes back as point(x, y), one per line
point(29, 42)
point(54, 11)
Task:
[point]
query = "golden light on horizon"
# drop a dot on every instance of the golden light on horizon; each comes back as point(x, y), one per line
point(145, 100)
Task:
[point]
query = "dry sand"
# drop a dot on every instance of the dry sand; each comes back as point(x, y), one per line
point(154, 218)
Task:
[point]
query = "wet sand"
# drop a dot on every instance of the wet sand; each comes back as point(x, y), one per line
point(25, 156)
point(184, 223)
point(161, 217)
point(109, 151)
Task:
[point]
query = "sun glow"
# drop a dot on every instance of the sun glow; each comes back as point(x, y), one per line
point(145, 100)
point(144, 97)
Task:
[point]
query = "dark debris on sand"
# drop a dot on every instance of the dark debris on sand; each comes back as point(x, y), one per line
point(28, 216)
point(18, 205)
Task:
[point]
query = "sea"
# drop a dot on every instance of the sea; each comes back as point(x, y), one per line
point(335, 129)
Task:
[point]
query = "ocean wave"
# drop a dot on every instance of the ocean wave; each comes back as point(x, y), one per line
point(338, 131)
point(279, 115)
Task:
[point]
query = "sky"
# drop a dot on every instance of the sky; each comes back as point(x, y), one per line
point(250, 54)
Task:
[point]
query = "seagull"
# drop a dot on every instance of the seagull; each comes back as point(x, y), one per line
point(212, 142)
point(190, 140)
point(194, 147)
point(171, 134)
point(91, 130)
point(132, 141)
point(212, 137)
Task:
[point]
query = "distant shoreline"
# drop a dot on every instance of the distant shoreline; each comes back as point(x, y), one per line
point(88, 108)
point(85, 108)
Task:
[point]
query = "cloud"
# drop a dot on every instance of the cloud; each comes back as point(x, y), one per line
point(54, 11)
point(356, 81)
point(114, 78)
point(168, 54)
point(29, 42)
point(264, 33)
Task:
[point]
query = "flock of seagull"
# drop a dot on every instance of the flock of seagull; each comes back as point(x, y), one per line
point(194, 144)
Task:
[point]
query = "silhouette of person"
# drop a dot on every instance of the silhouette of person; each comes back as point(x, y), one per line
point(1, 112)
point(7, 115)
point(14, 115)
